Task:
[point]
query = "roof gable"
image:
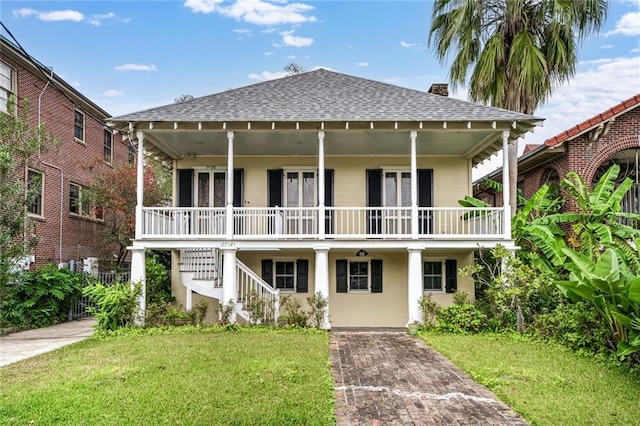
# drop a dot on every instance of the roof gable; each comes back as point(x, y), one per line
point(585, 126)
point(323, 96)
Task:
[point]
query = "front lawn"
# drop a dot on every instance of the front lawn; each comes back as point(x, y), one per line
point(198, 378)
point(545, 383)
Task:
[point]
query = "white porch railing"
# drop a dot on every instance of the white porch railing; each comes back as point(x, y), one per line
point(339, 222)
point(206, 264)
point(251, 285)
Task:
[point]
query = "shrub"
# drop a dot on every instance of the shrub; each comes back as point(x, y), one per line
point(199, 312)
point(461, 317)
point(318, 307)
point(260, 310)
point(157, 280)
point(576, 326)
point(429, 310)
point(293, 313)
point(116, 305)
point(225, 311)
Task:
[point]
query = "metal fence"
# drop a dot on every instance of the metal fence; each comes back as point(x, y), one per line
point(80, 308)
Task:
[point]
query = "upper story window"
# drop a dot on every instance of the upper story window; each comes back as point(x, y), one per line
point(7, 85)
point(78, 126)
point(80, 203)
point(108, 146)
point(35, 189)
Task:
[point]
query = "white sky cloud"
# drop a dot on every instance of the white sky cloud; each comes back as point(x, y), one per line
point(56, 15)
point(628, 24)
point(606, 46)
point(256, 12)
point(406, 44)
point(67, 15)
point(112, 92)
point(75, 83)
point(363, 64)
point(291, 57)
point(267, 75)
point(242, 31)
point(290, 40)
point(135, 67)
point(268, 53)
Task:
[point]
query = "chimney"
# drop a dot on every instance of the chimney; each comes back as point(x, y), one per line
point(440, 89)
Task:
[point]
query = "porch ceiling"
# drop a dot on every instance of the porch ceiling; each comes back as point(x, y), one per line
point(477, 144)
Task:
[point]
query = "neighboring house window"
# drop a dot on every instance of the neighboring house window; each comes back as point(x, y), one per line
point(433, 279)
point(359, 275)
point(132, 153)
point(7, 85)
point(286, 275)
point(79, 203)
point(108, 146)
point(78, 126)
point(35, 184)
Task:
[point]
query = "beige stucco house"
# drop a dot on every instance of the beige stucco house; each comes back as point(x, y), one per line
point(322, 182)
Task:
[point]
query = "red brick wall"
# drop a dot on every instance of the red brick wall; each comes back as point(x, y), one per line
point(81, 237)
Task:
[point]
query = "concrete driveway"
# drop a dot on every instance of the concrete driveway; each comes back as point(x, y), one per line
point(26, 344)
point(396, 379)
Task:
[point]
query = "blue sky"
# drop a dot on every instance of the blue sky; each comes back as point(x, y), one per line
point(131, 55)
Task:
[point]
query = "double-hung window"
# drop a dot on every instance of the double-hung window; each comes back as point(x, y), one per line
point(290, 275)
point(78, 126)
point(359, 275)
point(359, 278)
point(433, 275)
point(7, 85)
point(108, 146)
point(35, 187)
point(80, 203)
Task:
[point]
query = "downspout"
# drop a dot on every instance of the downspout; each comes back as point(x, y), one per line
point(52, 165)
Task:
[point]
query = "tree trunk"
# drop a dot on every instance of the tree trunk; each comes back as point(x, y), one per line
point(513, 176)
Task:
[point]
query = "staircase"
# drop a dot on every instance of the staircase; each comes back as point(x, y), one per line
point(201, 272)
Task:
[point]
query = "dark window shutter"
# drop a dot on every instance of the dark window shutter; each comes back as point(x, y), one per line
point(451, 277)
point(328, 200)
point(302, 279)
point(238, 185)
point(274, 182)
point(374, 199)
point(376, 276)
point(267, 271)
point(185, 188)
point(425, 199)
point(341, 276)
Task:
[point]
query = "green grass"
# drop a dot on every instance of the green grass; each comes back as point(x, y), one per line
point(197, 378)
point(545, 383)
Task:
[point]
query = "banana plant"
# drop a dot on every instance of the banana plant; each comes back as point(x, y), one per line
point(612, 289)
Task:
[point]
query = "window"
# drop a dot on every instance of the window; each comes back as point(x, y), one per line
point(359, 275)
point(433, 277)
point(35, 183)
point(81, 205)
point(108, 146)
point(78, 126)
point(286, 274)
point(132, 153)
point(7, 82)
point(285, 277)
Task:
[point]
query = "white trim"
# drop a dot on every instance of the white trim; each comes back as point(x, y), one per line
point(84, 126)
point(275, 260)
point(42, 204)
point(366, 260)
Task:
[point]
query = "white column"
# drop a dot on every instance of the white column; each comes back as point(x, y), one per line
point(138, 276)
point(321, 183)
point(414, 282)
point(414, 186)
point(505, 185)
point(229, 212)
point(322, 279)
point(139, 185)
point(229, 276)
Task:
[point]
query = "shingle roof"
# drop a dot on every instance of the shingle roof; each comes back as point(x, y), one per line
point(589, 124)
point(323, 95)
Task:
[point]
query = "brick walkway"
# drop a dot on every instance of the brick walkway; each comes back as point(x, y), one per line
point(395, 379)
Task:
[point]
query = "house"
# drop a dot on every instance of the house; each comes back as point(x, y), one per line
point(67, 226)
point(322, 182)
point(588, 148)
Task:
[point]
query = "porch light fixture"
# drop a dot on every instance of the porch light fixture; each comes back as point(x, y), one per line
point(362, 252)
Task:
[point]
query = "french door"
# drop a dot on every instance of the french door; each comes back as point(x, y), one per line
point(300, 191)
point(210, 191)
point(397, 194)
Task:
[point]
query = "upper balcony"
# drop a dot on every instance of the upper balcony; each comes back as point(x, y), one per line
point(339, 223)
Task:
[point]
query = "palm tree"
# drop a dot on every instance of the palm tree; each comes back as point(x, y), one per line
point(516, 51)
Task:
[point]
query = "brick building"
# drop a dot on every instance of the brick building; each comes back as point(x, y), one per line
point(68, 227)
point(588, 148)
